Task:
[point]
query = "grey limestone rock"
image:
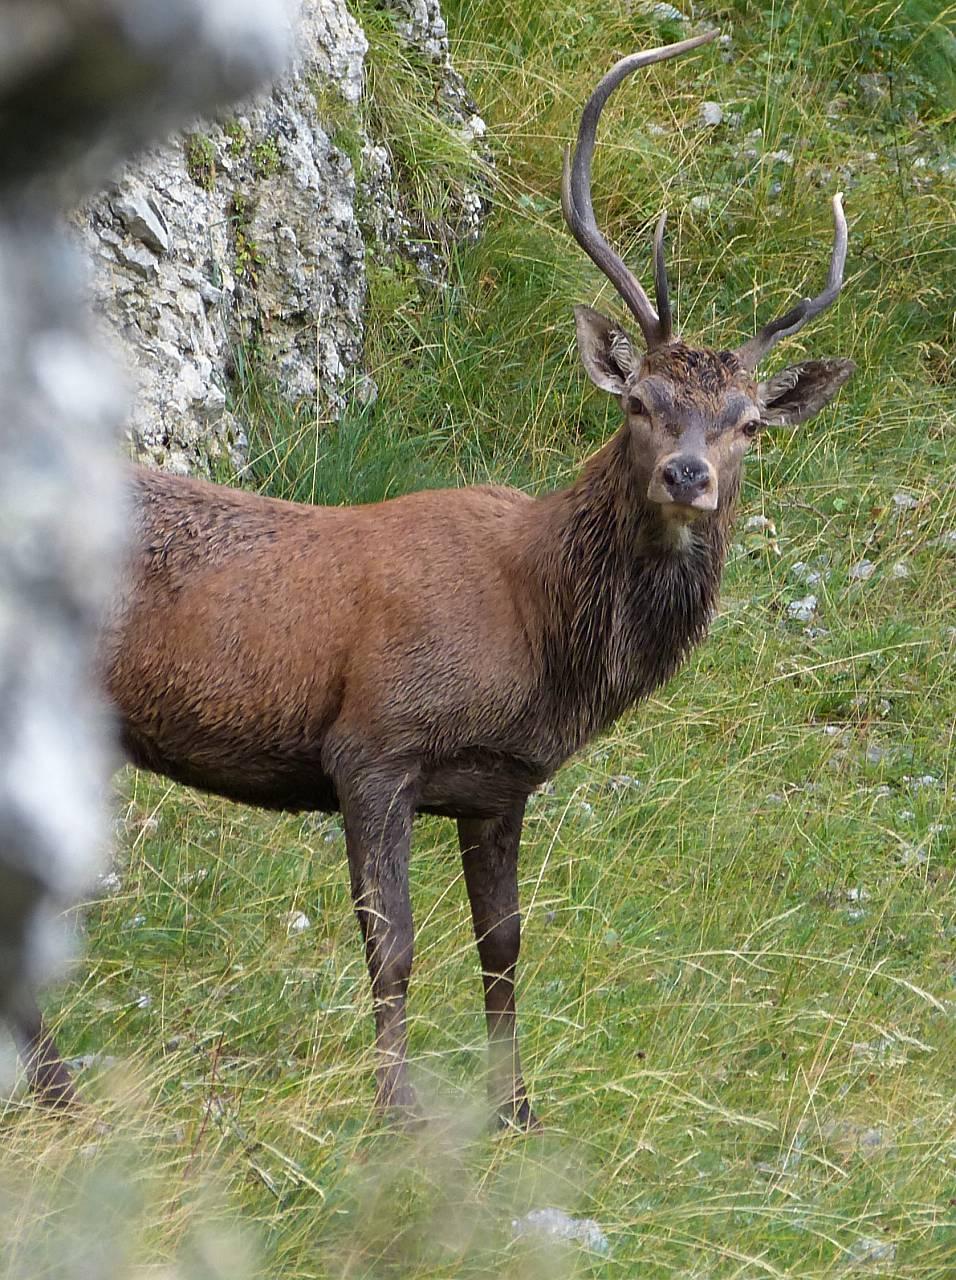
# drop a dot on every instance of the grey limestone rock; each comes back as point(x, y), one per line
point(252, 231)
point(555, 1225)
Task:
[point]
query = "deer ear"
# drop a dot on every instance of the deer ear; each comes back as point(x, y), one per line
point(793, 395)
point(605, 349)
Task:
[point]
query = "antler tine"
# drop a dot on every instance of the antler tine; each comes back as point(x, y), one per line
point(752, 352)
point(576, 189)
point(661, 290)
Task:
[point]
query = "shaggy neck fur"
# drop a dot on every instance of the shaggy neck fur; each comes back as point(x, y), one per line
point(626, 595)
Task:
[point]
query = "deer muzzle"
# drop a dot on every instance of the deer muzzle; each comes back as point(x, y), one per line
point(686, 482)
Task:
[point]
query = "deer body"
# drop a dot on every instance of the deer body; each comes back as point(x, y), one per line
point(467, 640)
point(443, 652)
point(447, 651)
point(280, 641)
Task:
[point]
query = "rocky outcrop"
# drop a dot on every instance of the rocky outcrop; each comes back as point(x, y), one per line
point(81, 81)
point(246, 239)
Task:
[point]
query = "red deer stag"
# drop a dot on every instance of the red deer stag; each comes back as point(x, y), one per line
point(445, 652)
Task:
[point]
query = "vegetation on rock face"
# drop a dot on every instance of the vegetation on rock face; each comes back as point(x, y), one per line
point(433, 155)
point(238, 137)
point(342, 120)
point(200, 160)
point(266, 160)
point(738, 986)
point(248, 254)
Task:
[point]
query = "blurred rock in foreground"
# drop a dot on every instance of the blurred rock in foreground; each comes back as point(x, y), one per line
point(82, 84)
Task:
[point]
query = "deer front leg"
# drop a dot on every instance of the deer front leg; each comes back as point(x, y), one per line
point(378, 830)
point(47, 1073)
point(489, 851)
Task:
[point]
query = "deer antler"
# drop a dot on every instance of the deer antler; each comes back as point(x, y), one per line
point(579, 212)
point(752, 352)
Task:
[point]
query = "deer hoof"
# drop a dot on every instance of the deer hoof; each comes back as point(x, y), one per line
point(57, 1093)
point(518, 1115)
point(53, 1087)
point(401, 1109)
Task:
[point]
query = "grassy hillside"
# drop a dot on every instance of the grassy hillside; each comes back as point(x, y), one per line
point(738, 980)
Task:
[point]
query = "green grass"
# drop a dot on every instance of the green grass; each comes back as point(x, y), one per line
point(738, 983)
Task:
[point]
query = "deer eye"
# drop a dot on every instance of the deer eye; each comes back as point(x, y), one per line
point(636, 405)
point(751, 428)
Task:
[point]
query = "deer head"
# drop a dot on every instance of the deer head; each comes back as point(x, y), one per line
point(691, 412)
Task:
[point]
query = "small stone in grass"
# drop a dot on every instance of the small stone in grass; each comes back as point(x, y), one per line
point(711, 114)
point(802, 610)
point(923, 780)
point(552, 1224)
point(947, 539)
point(904, 501)
point(623, 782)
point(868, 1251)
point(802, 571)
point(664, 12)
point(871, 1139)
point(86, 1061)
point(863, 570)
point(900, 569)
point(297, 922)
point(912, 855)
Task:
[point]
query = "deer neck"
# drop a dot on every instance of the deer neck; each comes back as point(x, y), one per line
point(626, 596)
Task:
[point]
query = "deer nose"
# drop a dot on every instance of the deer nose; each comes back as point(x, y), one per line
point(686, 477)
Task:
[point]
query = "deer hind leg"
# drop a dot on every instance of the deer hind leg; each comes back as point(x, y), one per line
point(378, 829)
point(47, 1073)
point(489, 852)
